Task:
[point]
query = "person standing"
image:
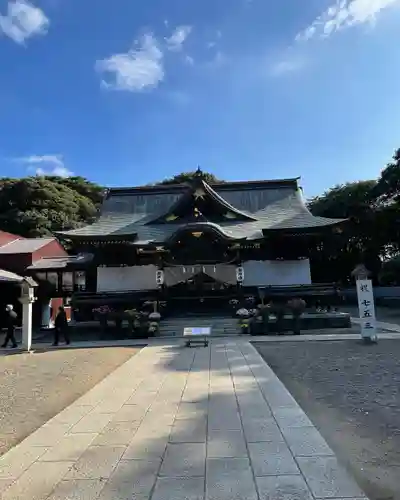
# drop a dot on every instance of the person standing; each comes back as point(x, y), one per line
point(11, 320)
point(61, 327)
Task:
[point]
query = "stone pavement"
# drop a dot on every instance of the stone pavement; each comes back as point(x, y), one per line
point(175, 423)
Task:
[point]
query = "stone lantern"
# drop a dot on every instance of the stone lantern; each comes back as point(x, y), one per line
point(27, 298)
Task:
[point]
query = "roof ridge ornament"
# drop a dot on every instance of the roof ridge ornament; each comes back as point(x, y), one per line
point(199, 173)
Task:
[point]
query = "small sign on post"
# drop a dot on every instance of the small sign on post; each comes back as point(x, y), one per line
point(366, 304)
point(197, 335)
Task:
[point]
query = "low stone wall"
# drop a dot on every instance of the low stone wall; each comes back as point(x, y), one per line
point(311, 321)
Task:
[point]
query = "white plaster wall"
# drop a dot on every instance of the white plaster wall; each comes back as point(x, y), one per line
point(125, 279)
point(277, 272)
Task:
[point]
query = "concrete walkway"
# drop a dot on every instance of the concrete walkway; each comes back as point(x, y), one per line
point(179, 424)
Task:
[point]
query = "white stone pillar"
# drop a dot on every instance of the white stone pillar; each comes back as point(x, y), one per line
point(27, 324)
point(27, 299)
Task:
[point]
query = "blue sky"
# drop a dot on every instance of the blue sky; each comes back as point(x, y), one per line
point(129, 92)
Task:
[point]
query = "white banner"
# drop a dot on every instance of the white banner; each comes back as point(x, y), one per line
point(277, 273)
point(366, 308)
point(126, 279)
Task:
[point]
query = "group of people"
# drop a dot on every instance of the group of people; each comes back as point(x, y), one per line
point(60, 327)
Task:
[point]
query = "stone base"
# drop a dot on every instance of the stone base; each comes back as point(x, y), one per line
point(310, 321)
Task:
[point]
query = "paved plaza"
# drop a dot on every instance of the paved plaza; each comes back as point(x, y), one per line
point(184, 424)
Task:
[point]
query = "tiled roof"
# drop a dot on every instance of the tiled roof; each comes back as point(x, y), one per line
point(269, 205)
point(9, 277)
point(60, 262)
point(27, 245)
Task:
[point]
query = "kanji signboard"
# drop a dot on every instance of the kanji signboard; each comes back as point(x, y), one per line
point(366, 308)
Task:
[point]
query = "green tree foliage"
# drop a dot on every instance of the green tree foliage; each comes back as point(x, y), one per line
point(186, 177)
point(371, 234)
point(388, 186)
point(38, 206)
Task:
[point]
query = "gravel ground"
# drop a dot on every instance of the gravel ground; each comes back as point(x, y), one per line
point(352, 394)
point(36, 387)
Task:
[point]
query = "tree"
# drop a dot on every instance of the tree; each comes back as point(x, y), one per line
point(186, 177)
point(39, 206)
point(388, 186)
point(364, 237)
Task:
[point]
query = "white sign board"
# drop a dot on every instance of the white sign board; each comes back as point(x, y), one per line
point(197, 331)
point(366, 307)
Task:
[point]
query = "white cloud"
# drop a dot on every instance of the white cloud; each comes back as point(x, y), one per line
point(46, 165)
point(285, 66)
point(344, 14)
point(177, 39)
point(220, 59)
point(189, 60)
point(139, 68)
point(23, 20)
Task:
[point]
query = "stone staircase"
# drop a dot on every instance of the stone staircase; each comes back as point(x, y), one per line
point(220, 325)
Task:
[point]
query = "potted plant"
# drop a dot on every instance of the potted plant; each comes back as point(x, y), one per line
point(102, 314)
point(263, 314)
point(154, 323)
point(131, 315)
point(297, 307)
point(278, 310)
point(244, 321)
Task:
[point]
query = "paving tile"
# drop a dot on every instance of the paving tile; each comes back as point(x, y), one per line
point(111, 404)
point(184, 460)
point(4, 484)
point(114, 490)
point(273, 458)
point(191, 488)
point(117, 433)
point(327, 479)
point(292, 417)
point(69, 449)
point(227, 420)
point(238, 486)
point(18, 459)
point(258, 430)
point(191, 410)
point(140, 474)
point(82, 489)
point(226, 444)
point(145, 447)
point(219, 466)
point(72, 414)
point(255, 410)
point(277, 395)
point(129, 413)
point(283, 488)
point(38, 481)
point(306, 442)
point(93, 422)
point(189, 431)
point(97, 462)
point(47, 435)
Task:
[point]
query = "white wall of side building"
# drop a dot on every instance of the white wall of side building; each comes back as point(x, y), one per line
point(125, 279)
point(277, 272)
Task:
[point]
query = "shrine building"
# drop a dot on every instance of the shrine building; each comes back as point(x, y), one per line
point(195, 245)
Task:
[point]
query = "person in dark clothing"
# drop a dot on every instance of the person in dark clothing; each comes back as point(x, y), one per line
point(11, 319)
point(61, 327)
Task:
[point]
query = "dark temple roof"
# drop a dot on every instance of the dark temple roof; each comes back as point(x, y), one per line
point(246, 210)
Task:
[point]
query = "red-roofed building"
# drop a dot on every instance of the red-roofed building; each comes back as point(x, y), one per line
point(17, 253)
point(8, 238)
